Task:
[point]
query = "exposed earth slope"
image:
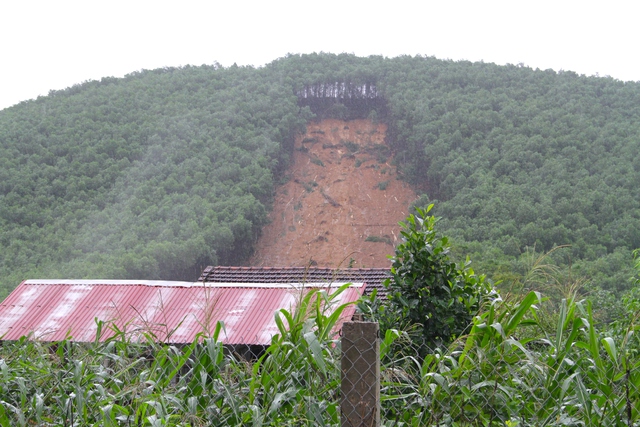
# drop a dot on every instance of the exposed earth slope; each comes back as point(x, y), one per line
point(342, 202)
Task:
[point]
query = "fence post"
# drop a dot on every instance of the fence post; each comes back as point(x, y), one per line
point(360, 385)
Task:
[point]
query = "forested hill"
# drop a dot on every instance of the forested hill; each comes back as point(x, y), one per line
point(162, 172)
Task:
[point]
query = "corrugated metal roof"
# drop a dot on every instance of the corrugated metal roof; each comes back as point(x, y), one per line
point(173, 312)
point(373, 277)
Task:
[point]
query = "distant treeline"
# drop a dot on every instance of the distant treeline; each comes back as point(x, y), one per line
point(345, 100)
point(340, 90)
point(162, 172)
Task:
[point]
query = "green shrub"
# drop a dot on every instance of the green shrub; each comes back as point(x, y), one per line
point(351, 146)
point(309, 186)
point(383, 185)
point(430, 290)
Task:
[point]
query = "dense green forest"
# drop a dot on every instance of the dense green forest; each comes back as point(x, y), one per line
point(162, 172)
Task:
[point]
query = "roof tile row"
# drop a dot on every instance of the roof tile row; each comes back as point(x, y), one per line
point(373, 277)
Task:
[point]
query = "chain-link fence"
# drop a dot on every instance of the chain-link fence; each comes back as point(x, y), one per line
point(360, 380)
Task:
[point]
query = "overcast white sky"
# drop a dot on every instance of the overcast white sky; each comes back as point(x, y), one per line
point(47, 45)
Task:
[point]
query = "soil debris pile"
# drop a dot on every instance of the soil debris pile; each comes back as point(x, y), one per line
point(342, 202)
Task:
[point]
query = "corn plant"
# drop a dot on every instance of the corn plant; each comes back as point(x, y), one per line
point(297, 380)
point(578, 376)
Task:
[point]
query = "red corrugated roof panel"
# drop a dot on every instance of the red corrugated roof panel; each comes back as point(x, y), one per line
point(172, 312)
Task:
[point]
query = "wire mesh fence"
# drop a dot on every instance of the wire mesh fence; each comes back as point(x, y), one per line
point(360, 380)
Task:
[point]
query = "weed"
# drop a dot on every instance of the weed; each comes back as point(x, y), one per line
point(317, 161)
point(351, 146)
point(325, 146)
point(383, 185)
point(309, 140)
point(379, 239)
point(284, 179)
point(329, 199)
point(309, 186)
point(381, 152)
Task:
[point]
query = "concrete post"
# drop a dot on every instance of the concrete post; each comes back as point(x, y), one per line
point(360, 386)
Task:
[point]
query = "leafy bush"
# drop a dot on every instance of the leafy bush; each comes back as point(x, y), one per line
point(351, 146)
point(383, 185)
point(428, 289)
point(317, 161)
point(309, 186)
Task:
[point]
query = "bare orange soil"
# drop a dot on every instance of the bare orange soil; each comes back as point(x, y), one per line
point(342, 203)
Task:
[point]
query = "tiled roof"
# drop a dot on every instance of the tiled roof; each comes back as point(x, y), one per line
point(172, 312)
point(372, 277)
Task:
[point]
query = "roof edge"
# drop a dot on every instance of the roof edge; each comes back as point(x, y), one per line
point(162, 283)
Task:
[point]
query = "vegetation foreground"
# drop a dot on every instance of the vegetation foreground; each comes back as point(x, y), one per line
point(512, 369)
point(524, 362)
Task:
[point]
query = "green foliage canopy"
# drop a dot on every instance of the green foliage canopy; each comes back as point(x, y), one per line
point(152, 176)
point(164, 171)
point(428, 289)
